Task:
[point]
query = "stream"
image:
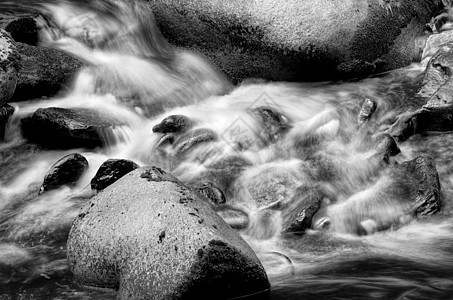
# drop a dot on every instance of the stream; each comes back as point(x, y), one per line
point(133, 75)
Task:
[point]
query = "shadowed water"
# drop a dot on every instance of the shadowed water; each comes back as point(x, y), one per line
point(133, 75)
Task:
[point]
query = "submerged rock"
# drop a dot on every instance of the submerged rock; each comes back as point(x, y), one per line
point(385, 143)
point(213, 194)
point(173, 124)
point(425, 183)
point(67, 128)
point(407, 191)
point(293, 40)
point(367, 110)
point(43, 72)
point(268, 186)
point(299, 215)
point(24, 30)
point(236, 218)
point(66, 171)
point(9, 66)
point(222, 172)
point(110, 171)
point(165, 244)
point(275, 124)
point(188, 141)
point(6, 111)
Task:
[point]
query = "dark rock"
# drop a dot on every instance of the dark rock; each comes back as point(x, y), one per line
point(110, 171)
point(211, 193)
point(234, 217)
point(426, 185)
point(6, 111)
point(367, 110)
point(385, 143)
point(275, 125)
point(309, 40)
point(304, 205)
point(9, 67)
point(24, 30)
point(66, 171)
point(44, 72)
point(67, 128)
point(186, 142)
point(173, 124)
point(126, 238)
point(424, 120)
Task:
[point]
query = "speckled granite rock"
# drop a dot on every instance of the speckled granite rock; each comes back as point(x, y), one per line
point(9, 66)
point(294, 39)
point(150, 237)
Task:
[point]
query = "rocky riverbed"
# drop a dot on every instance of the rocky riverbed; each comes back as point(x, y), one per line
point(145, 153)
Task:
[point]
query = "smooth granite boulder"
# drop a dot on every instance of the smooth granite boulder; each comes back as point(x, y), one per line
point(150, 237)
point(298, 39)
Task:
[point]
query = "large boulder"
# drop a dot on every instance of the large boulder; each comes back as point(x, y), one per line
point(66, 171)
point(44, 72)
point(150, 237)
point(68, 128)
point(9, 66)
point(293, 40)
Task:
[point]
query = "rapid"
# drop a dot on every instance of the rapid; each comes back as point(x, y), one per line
point(132, 74)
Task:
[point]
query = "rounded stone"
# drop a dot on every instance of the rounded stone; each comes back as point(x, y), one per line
point(150, 237)
point(9, 66)
point(110, 171)
point(66, 171)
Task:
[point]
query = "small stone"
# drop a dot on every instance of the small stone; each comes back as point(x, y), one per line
point(275, 124)
point(211, 193)
point(386, 143)
point(173, 124)
point(66, 171)
point(367, 110)
point(110, 171)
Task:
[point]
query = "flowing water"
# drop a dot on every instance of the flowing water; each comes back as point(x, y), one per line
point(132, 74)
